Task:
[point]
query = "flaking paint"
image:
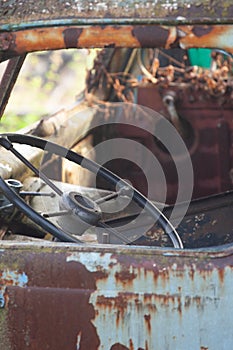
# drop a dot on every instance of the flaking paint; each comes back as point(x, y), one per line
point(10, 278)
point(102, 297)
point(45, 38)
point(161, 301)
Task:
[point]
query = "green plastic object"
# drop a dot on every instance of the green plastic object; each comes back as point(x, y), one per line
point(200, 57)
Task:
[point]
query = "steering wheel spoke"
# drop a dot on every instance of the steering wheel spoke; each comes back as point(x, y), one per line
point(56, 214)
point(7, 144)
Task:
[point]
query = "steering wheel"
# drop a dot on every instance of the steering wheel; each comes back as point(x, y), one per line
point(83, 210)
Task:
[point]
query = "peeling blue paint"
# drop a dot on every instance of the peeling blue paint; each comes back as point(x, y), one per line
point(11, 278)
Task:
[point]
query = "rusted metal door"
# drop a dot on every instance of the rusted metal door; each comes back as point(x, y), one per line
point(64, 297)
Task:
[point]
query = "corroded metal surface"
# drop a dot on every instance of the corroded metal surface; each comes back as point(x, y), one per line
point(107, 10)
point(95, 36)
point(10, 278)
point(8, 80)
point(211, 122)
point(203, 36)
point(37, 39)
point(116, 298)
point(203, 102)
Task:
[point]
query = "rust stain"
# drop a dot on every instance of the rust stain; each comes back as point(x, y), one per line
point(131, 346)
point(192, 272)
point(187, 302)
point(38, 39)
point(194, 265)
point(10, 278)
point(119, 346)
point(46, 38)
point(199, 31)
point(221, 275)
point(71, 37)
point(105, 302)
point(118, 303)
point(147, 319)
point(172, 37)
point(179, 307)
point(6, 40)
point(200, 36)
point(57, 295)
point(104, 36)
point(66, 37)
point(148, 302)
point(152, 36)
point(6, 298)
point(125, 276)
point(197, 300)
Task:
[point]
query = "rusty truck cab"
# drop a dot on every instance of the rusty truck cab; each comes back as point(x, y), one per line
point(116, 220)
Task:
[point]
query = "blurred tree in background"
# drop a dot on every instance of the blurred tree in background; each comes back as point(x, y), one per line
point(47, 82)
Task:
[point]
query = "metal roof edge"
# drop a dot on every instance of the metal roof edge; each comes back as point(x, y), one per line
point(169, 21)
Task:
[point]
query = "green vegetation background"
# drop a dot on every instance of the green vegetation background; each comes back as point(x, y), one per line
point(47, 82)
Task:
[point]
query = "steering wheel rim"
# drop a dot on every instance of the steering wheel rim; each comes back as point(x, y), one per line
point(90, 165)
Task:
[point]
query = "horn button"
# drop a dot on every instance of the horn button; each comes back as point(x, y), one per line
point(82, 213)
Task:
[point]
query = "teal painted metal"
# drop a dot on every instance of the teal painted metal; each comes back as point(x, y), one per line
point(10, 278)
point(118, 297)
